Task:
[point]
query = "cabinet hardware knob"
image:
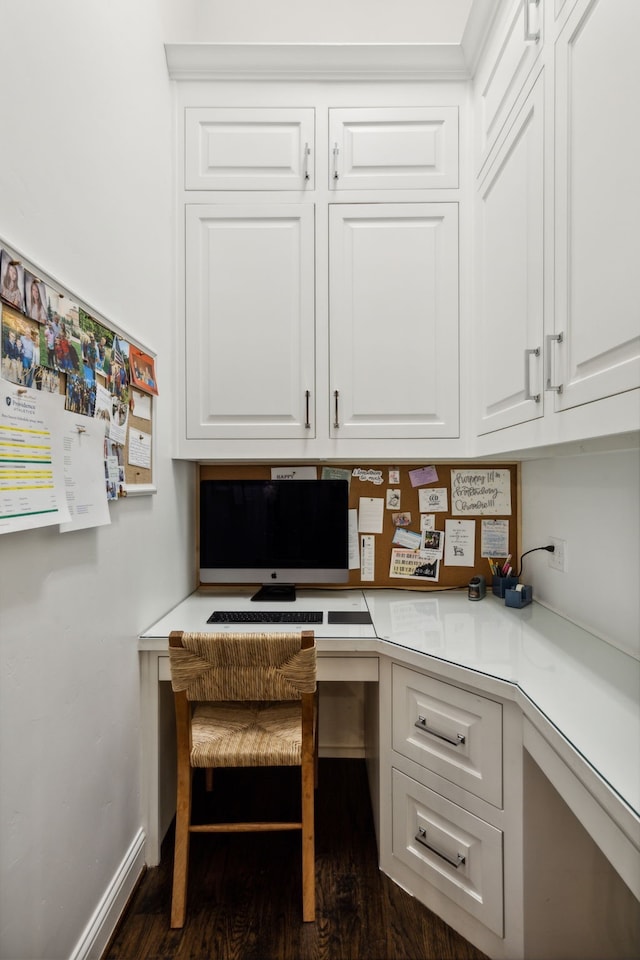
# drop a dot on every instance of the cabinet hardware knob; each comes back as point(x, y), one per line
point(535, 352)
point(421, 724)
point(421, 837)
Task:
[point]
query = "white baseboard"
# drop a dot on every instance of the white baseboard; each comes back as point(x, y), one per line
point(100, 928)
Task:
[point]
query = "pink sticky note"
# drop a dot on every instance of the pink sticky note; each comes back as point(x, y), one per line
point(423, 475)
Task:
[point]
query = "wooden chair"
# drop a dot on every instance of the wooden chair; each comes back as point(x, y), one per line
point(243, 700)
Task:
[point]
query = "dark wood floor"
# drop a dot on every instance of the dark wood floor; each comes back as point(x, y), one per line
point(244, 889)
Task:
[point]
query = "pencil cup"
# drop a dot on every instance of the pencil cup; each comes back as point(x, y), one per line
point(500, 584)
point(520, 597)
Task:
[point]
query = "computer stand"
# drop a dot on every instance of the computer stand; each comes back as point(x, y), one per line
point(278, 593)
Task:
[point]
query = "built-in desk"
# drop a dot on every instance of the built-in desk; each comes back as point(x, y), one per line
point(578, 698)
point(347, 652)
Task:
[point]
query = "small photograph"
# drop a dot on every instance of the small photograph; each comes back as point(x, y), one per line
point(142, 369)
point(46, 380)
point(432, 540)
point(60, 334)
point(118, 376)
point(81, 395)
point(401, 519)
point(12, 280)
point(35, 291)
point(97, 346)
point(20, 347)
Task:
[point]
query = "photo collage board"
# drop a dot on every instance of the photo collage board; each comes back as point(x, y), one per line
point(50, 342)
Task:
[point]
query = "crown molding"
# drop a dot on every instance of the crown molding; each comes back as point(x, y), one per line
point(319, 61)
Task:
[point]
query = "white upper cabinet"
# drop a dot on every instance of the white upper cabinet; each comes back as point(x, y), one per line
point(249, 368)
point(249, 149)
point(510, 274)
point(513, 50)
point(407, 148)
point(595, 347)
point(393, 320)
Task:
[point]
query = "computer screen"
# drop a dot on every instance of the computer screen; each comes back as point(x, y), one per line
point(277, 533)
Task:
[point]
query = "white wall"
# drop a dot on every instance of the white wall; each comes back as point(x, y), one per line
point(593, 503)
point(85, 193)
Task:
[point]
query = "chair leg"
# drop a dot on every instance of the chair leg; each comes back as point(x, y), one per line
point(208, 779)
point(181, 851)
point(308, 844)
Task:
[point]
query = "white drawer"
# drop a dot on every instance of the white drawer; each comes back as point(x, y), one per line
point(249, 149)
point(329, 668)
point(455, 733)
point(457, 853)
point(410, 147)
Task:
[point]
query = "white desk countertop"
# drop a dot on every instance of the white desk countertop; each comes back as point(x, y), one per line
point(587, 689)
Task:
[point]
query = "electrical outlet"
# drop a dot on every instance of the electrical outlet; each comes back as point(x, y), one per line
point(558, 559)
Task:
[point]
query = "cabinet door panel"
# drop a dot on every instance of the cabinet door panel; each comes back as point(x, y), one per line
point(394, 319)
point(510, 277)
point(374, 148)
point(250, 320)
point(597, 303)
point(233, 148)
point(502, 77)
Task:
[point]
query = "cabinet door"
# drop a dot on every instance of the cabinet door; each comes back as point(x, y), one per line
point(514, 50)
point(509, 283)
point(393, 337)
point(412, 147)
point(249, 362)
point(597, 280)
point(234, 148)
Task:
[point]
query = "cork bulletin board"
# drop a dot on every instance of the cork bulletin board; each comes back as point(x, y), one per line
point(138, 474)
point(471, 510)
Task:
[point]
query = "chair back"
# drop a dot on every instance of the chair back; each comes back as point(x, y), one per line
point(243, 666)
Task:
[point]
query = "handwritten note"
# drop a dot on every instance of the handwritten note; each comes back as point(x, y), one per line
point(480, 492)
point(459, 550)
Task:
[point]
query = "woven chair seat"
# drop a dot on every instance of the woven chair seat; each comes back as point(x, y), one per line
point(241, 734)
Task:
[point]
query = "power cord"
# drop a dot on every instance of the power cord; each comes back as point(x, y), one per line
point(550, 548)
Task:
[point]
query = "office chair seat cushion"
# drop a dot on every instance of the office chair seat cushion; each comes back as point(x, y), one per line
point(246, 734)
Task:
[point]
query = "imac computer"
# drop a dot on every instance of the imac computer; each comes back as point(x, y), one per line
point(276, 533)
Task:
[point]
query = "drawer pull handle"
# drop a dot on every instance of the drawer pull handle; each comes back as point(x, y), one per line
point(421, 837)
point(336, 151)
point(421, 724)
point(307, 154)
point(535, 352)
point(307, 422)
point(336, 418)
point(530, 34)
point(550, 339)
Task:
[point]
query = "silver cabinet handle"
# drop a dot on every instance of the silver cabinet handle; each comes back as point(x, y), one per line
point(530, 35)
point(307, 422)
point(549, 339)
point(421, 724)
point(535, 352)
point(336, 151)
point(336, 419)
point(307, 154)
point(421, 837)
